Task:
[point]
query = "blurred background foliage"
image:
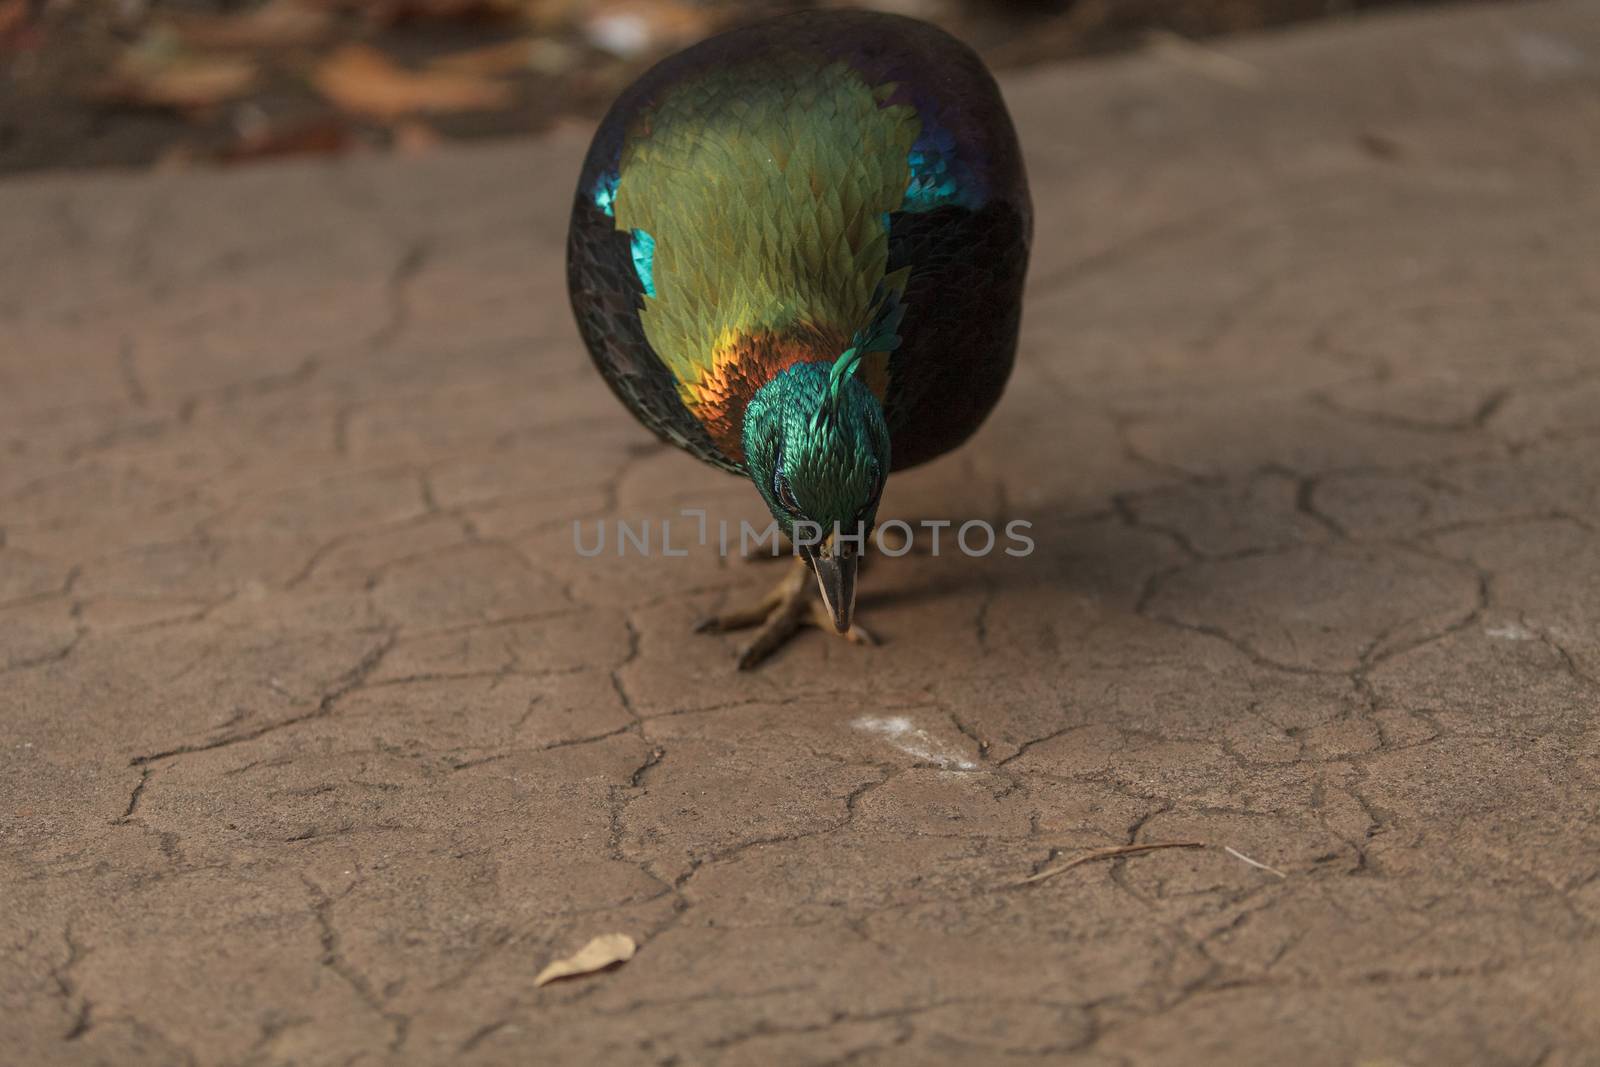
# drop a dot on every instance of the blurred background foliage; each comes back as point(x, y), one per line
point(209, 82)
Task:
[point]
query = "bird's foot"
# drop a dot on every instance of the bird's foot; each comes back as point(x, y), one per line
point(794, 603)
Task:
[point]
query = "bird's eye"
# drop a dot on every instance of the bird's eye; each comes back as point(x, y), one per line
point(785, 495)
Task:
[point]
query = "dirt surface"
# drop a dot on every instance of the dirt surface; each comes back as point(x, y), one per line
point(320, 742)
point(188, 83)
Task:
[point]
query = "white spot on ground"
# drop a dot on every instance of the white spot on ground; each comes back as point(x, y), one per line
point(913, 740)
point(1511, 631)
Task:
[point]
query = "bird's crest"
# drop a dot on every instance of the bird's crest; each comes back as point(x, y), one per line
point(880, 335)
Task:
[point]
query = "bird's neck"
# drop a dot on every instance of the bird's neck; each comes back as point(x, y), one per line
point(743, 364)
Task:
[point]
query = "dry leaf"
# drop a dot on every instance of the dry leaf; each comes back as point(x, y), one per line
point(597, 955)
point(362, 80)
point(509, 57)
point(154, 73)
point(13, 15)
point(276, 24)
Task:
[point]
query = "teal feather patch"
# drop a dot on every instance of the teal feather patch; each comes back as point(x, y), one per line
point(643, 246)
point(938, 175)
point(644, 261)
point(605, 193)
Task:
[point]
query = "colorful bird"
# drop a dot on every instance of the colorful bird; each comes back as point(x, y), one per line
point(797, 252)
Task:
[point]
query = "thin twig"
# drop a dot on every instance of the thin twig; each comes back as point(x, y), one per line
point(1105, 854)
point(1254, 863)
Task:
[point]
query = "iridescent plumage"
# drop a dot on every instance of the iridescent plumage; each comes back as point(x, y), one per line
point(799, 238)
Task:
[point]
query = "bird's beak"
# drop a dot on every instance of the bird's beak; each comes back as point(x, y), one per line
point(836, 577)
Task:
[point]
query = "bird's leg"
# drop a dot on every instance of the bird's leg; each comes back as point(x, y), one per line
point(779, 615)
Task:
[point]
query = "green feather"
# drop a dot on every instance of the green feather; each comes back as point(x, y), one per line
point(763, 186)
point(880, 335)
point(835, 471)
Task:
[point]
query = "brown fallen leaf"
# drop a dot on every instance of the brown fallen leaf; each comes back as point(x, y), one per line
point(13, 16)
point(363, 81)
point(275, 24)
point(510, 57)
point(157, 73)
point(597, 955)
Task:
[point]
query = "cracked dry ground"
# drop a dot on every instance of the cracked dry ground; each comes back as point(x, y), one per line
point(319, 740)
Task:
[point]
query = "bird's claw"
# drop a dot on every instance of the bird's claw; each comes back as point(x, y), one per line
point(779, 616)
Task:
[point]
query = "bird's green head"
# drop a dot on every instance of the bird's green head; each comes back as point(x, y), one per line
point(817, 448)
